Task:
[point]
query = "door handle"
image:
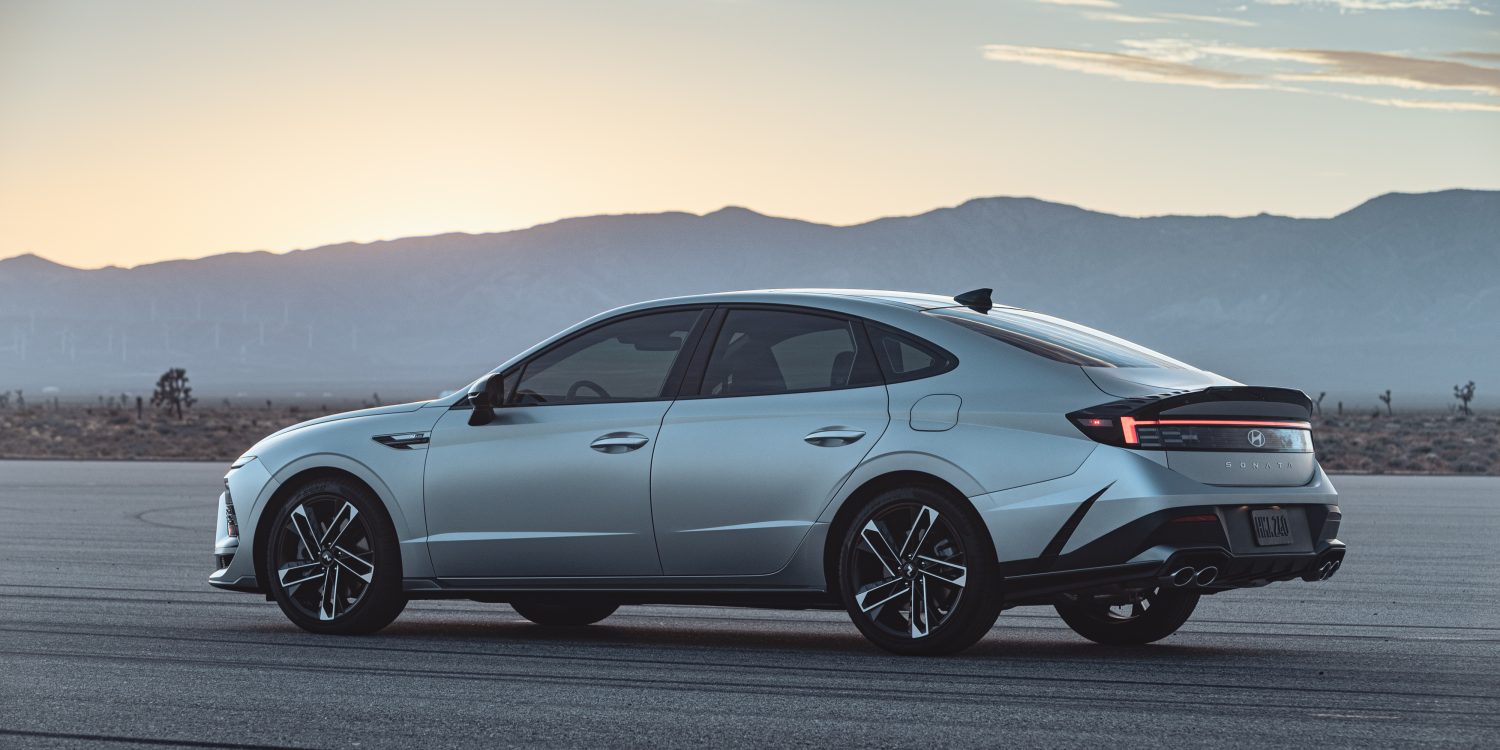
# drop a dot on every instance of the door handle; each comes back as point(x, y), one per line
point(618, 442)
point(833, 437)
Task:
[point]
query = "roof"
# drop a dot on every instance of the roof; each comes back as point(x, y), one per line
point(910, 300)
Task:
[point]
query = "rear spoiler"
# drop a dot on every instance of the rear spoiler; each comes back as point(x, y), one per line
point(1115, 422)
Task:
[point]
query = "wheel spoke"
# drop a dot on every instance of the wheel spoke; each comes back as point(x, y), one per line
point(354, 564)
point(876, 594)
point(920, 625)
point(330, 605)
point(924, 573)
point(336, 528)
point(877, 543)
point(307, 530)
point(294, 574)
point(920, 528)
point(952, 574)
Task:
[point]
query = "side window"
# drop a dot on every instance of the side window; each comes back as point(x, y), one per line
point(762, 352)
point(905, 358)
point(629, 360)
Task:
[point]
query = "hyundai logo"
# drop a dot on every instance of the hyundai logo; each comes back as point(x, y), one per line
point(1257, 438)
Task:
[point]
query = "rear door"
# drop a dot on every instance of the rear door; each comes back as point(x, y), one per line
point(781, 406)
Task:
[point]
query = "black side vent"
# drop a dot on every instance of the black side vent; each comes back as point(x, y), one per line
point(403, 441)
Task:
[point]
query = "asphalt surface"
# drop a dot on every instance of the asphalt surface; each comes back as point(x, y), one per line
point(110, 637)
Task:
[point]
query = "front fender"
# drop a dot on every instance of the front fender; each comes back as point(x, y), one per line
point(407, 517)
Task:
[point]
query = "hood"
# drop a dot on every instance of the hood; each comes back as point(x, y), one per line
point(374, 412)
point(1133, 382)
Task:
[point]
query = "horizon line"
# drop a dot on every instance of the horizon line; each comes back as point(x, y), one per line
point(734, 207)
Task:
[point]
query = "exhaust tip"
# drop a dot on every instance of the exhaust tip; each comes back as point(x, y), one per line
point(1183, 576)
point(1206, 576)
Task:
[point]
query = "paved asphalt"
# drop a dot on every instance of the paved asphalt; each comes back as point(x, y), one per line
point(110, 637)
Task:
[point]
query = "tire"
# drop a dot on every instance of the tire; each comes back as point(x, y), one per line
point(1156, 616)
point(948, 574)
point(363, 560)
point(565, 614)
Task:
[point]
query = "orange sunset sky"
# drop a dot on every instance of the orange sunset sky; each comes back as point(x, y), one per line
point(136, 132)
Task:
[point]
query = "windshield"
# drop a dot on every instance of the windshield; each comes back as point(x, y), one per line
point(1057, 339)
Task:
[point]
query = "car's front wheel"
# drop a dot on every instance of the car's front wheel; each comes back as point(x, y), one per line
point(332, 561)
point(918, 572)
point(1149, 617)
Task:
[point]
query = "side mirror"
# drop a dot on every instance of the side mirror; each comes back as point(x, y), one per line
point(490, 395)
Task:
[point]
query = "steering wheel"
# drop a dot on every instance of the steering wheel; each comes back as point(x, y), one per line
point(589, 384)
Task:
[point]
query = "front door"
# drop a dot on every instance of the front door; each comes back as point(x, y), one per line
point(559, 483)
point(790, 403)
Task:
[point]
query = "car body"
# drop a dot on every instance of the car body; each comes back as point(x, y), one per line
point(747, 431)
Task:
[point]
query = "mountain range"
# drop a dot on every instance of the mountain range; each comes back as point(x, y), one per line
point(1401, 292)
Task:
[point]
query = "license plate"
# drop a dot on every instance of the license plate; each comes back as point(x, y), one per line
point(1271, 527)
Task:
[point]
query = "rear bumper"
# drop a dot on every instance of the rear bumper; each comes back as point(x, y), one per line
point(1231, 571)
point(1207, 556)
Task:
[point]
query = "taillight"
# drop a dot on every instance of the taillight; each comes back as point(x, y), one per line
point(1242, 418)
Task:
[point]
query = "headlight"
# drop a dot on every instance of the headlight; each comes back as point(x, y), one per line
point(232, 523)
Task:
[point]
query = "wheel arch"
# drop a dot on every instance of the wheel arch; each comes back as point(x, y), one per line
point(866, 491)
point(294, 479)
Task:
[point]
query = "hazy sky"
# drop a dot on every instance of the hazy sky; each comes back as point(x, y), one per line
point(133, 132)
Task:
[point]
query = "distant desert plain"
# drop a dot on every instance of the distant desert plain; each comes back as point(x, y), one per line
point(1414, 442)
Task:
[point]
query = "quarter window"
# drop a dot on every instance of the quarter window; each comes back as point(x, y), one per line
point(905, 358)
point(628, 360)
point(761, 352)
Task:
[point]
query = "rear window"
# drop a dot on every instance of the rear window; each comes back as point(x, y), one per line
point(1057, 339)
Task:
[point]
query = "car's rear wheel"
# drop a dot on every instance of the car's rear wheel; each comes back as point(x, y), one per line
point(1145, 619)
point(918, 573)
point(565, 614)
point(332, 561)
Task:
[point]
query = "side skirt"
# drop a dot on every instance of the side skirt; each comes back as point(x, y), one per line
point(623, 592)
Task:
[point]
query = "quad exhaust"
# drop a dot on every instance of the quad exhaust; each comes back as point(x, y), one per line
point(1183, 576)
point(1325, 567)
point(1191, 576)
point(1206, 575)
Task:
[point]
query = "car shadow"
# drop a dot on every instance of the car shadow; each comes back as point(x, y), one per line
point(783, 640)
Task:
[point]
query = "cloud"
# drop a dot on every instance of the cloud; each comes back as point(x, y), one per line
point(1438, 104)
point(1083, 3)
point(1484, 57)
point(1137, 68)
point(1121, 17)
point(1208, 19)
point(1185, 62)
point(1377, 69)
point(1377, 5)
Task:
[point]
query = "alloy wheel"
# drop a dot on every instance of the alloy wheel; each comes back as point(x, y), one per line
point(325, 560)
point(908, 571)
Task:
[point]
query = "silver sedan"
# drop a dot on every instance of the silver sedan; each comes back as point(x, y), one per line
point(923, 462)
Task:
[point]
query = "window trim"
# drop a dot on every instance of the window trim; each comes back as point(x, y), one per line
point(674, 375)
point(688, 371)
